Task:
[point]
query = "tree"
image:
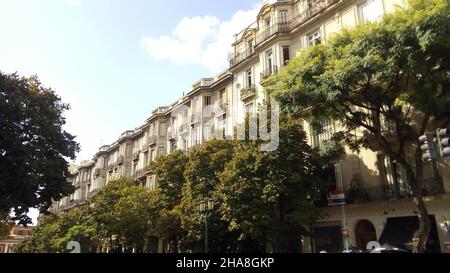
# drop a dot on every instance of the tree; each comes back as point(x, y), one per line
point(205, 164)
point(268, 196)
point(54, 232)
point(33, 146)
point(167, 197)
point(393, 74)
point(84, 235)
point(121, 213)
point(44, 237)
point(5, 225)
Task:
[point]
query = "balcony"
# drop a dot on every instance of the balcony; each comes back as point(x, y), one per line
point(248, 92)
point(184, 128)
point(222, 108)
point(159, 111)
point(268, 72)
point(315, 9)
point(241, 56)
point(136, 155)
point(220, 133)
point(196, 117)
point(92, 193)
point(126, 134)
point(382, 193)
point(139, 173)
point(120, 160)
point(152, 140)
point(171, 134)
point(205, 82)
point(265, 34)
point(104, 148)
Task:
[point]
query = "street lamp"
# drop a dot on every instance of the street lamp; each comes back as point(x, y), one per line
point(206, 208)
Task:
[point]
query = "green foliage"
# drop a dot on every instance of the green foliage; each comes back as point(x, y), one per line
point(205, 164)
point(33, 146)
point(5, 225)
point(268, 196)
point(389, 74)
point(121, 210)
point(44, 238)
point(170, 172)
point(85, 235)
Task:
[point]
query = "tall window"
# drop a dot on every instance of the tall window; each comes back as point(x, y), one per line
point(249, 109)
point(269, 60)
point(286, 54)
point(207, 132)
point(173, 146)
point(268, 23)
point(223, 97)
point(250, 46)
point(396, 179)
point(162, 129)
point(161, 151)
point(314, 38)
point(371, 11)
point(185, 144)
point(283, 16)
point(152, 155)
point(147, 158)
point(248, 77)
point(325, 132)
point(174, 125)
point(208, 100)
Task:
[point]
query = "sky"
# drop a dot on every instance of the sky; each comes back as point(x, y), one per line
point(114, 61)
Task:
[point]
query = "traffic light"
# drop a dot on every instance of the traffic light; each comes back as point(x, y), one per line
point(427, 146)
point(443, 137)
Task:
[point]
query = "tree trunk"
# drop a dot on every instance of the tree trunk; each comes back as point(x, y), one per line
point(420, 238)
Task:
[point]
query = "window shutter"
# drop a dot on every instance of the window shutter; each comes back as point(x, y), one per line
point(338, 175)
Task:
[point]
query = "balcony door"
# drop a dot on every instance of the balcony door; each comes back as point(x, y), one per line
point(269, 62)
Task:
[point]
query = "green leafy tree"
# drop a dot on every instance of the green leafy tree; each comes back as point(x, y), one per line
point(44, 238)
point(268, 196)
point(391, 74)
point(33, 146)
point(167, 197)
point(121, 213)
point(54, 232)
point(84, 235)
point(5, 225)
point(205, 164)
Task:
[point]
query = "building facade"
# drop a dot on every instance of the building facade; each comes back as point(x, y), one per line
point(377, 197)
point(16, 235)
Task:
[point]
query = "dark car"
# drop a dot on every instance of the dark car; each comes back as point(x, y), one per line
point(388, 249)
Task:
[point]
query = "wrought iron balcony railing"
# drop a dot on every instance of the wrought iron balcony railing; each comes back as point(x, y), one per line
point(269, 71)
point(248, 92)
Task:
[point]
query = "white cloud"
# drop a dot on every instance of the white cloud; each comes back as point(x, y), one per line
point(203, 40)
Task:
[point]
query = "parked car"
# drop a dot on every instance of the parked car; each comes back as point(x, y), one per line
point(388, 249)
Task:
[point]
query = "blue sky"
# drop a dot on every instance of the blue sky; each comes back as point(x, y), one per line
point(115, 61)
